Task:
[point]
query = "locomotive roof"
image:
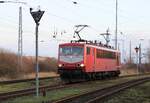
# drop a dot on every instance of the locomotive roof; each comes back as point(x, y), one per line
point(103, 47)
point(72, 44)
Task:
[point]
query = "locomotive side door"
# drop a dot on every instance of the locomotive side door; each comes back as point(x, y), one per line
point(93, 59)
point(90, 59)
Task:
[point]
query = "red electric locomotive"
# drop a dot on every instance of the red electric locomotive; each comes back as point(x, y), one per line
point(86, 60)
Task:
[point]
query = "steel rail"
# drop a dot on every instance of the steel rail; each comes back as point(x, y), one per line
point(119, 89)
point(55, 77)
point(31, 91)
point(26, 80)
point(97, 95)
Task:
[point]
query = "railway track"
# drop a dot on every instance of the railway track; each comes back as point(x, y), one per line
point(98, 95)
point(31, 91)
point(44, 78)
point(43, 89)
point(25, 80)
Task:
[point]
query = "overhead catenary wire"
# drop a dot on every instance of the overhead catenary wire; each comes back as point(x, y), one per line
point(60, 16)
point(69, 21)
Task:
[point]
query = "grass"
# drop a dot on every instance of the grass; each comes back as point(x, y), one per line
point(61, 93)
point(50, 96)
point(139, 94)
point(14, 87)
point(34, 99)
point(18, 86)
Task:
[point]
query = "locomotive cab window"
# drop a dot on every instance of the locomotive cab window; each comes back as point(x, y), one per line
point(88, 51)
point(74, 51)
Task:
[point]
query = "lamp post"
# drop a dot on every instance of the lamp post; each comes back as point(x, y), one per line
point(140, 54)
point(123, 51)
point(123, 47)
point(37, 15)
point(137, 50)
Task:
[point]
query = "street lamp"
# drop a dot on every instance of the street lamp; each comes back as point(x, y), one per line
point(137, 50)
point(37, 15)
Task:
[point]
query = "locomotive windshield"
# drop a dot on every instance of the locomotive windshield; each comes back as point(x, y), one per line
point(75, 51)
point(71, 54)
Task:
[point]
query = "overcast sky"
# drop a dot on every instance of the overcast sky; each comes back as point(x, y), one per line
point(62, 15)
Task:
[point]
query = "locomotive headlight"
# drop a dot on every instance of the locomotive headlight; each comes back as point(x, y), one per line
point(60, 65)
point(81, 65)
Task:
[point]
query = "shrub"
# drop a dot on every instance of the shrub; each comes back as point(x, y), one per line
point(49, 64)
point(9, 64)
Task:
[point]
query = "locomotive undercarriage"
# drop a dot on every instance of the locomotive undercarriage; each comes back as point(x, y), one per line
point(77, 75)
point(71, 75)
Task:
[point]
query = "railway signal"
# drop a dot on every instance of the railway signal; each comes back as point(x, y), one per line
point(37, 15)
point(136, 49)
